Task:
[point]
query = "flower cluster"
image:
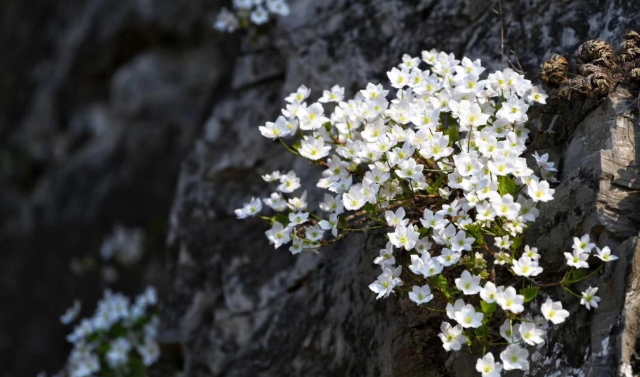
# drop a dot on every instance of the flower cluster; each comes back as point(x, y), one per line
point(246, 12)
point(118, 340)
point(442, 167)
point(125, 245)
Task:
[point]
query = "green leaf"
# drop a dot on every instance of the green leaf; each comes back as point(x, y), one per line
point(574, 276)
point(516, 243)
point(530, 293)
point(440, 281)
point(481, 331)
point(488, 308)
point(370, 208)
point(327, 126)
point(282, 218)
point(452, 132)
point(506, 185)
point(296, 146)
point(474, 230)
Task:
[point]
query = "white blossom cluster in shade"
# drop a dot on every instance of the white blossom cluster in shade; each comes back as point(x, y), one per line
point(441, 165)
point(257, 12)
point(120, 334)
point(125, 245)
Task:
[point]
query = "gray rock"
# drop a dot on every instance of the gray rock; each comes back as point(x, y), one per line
point(313, 314)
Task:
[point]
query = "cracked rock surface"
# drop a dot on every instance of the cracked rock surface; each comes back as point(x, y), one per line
point(239, 307)
point(136, 112)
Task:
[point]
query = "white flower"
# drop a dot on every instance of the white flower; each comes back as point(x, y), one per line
point(314, 149)
point(468, 284)
point(149, 350)
point(397, 218)
point(489, 293)
point(336, 94)
point(226, 21)
point(274, 176)
point(448, 257)
point(503, 242)
point(530, 334)
point(425, 265)
point(250, 209)
point(451, 310)
point(404, 237)
point(509, 331)
point(385, 283)
point(488, 366)
point(354, 199)
point(300, 94)
point(118, 353)
point(589, 298)
point(525, 266)
point(275, 130)
point(259, 16)
point(289, 182)
point(386, 258)
point(605, 254)
point(577, 259)
point(553, 311)
point(278, 235)
point(331, 224)
point(451, 336)
point(278, 7)
point(506, 207)
point(511, 301)
point(314, 233)
point(420, 295)
point(531, 252)
point(72, 313)
point(540, 191)
point(298, 218)
point(467, 317)
point(515, 357)
point(582, 245)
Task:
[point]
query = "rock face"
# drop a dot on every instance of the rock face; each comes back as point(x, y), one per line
point(239, 308)
point(102, 99)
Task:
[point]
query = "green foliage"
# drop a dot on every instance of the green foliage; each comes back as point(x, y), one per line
point(530, 293)
point(488, 308)
point(506, 185)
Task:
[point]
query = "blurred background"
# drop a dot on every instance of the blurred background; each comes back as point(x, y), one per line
point(130, 126)
point(99, 103)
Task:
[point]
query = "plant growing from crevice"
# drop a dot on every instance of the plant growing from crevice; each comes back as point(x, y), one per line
point(442, 168)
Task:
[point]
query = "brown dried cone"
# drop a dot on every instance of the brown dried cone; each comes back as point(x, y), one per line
point(600, 84)
point(588, 69)
point(578, 85)
point(555, 71)
point(598, 52)
point(632, 36)
point(629, 50)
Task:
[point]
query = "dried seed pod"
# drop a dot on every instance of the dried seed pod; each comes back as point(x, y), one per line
point(588, 69)
point(635, 73)
point(555, 71)
point(580, 85)
point(598, 52)
point(600, 83)
point(632, 36)
point(628, 44)
point(564, 93)
point(629, 51)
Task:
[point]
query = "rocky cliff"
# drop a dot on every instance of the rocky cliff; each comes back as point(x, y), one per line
point(239, 308)
point(108, 103)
